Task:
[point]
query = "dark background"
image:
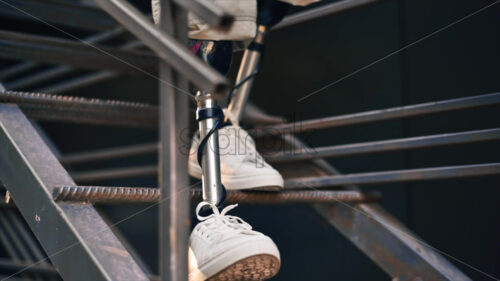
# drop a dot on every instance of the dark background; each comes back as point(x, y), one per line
point(461, 218)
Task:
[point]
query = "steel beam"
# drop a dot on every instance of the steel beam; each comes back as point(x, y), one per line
point(174, 208)
point(321, 11)
point(65, 13)
point(166, 47)
point(393, 247)
point(67, 231)
point(386, 241)
point(386, 145)
point(380, 115)
point(108, 194)
point(68, 52)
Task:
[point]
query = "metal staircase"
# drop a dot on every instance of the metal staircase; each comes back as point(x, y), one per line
point(78, 243)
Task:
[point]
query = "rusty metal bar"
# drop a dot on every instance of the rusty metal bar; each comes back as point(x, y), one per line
point(167, 48)
point(395, 176)
point(105, 194)
point(321, 11)
point(386, 145)
point(110, 153)
point(47, 107)
point(68, 52)
point(29, 171)
point(380, 115)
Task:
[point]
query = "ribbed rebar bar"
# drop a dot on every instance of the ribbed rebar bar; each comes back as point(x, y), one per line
point(41, 106)
point(103, 194)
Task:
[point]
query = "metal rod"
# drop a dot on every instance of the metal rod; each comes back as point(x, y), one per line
point(68, 52)
point(29, 172)
point(22, 252)
point(16, 69)
point(174, 207)
point(248, 67)
point(380, 236)
point(395, 176)
point(119, 173)
point(210, 162)
point(110, 153)
point(208, 11)
point(310, 153)
point(287, 21)
point(8, 264)
point(105, 194)
point(386, 145)
point(380, 115)
point(54, 72)
point(83, 110)
point(321, 11)
point(78, 82)
point(88, 79)
point(66, 13)
point(27, 237)
point(167, 48)
point(25, 66)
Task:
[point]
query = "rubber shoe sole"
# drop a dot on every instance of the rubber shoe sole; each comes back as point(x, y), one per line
point(254, 268)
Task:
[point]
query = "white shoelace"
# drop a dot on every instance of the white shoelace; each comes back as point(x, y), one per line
point(218, 225)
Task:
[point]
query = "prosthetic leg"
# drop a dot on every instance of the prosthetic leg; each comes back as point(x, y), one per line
point(270, 12)
point(210, 118)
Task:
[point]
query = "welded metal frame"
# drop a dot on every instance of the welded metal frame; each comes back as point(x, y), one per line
point(68, 232)
point(26, 162)
point(379, 235)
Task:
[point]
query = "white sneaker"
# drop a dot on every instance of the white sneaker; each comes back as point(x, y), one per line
point(225, 247)
point(242, 167)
